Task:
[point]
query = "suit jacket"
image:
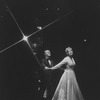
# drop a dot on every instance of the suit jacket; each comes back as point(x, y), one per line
point(46, 63)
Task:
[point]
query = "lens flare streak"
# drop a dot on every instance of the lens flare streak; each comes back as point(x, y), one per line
point(44, 27)
point(11, 46)
point(25, 38)
point(15, 20)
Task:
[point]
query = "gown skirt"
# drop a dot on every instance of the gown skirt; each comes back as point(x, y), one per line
point(68, 88)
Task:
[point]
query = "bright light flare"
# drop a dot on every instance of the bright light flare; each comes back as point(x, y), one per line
point(25, 38)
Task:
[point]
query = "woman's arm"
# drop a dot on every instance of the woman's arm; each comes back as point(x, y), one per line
point(57, 66)
point(64, 61)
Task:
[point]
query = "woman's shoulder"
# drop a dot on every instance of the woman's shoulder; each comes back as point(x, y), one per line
point(66, 58)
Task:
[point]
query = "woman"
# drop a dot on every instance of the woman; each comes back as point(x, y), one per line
point(67, 88)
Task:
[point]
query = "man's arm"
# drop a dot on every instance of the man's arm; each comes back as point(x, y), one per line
point(43, 64)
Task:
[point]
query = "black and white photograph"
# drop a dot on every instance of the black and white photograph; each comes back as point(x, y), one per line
point(49, 49)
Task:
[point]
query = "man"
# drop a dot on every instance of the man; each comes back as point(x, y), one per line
point(47, 62)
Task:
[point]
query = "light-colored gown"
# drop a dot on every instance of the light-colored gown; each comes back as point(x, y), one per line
point(67, 88)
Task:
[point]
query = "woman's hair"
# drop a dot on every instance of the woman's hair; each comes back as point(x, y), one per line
point(68, 49)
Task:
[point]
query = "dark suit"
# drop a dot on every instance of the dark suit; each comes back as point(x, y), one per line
point(48, 77)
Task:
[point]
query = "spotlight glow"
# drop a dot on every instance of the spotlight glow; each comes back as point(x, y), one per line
point(84, 40)
point(46, 8)
point(58, 9)
point(38, 88)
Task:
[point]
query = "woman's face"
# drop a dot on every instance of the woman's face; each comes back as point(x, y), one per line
point(70, 52)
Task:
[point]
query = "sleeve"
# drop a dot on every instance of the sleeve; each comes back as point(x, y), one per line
point(64, 61)
point(43, 64)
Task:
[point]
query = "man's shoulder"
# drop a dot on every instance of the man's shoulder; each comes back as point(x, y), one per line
point(43, 60)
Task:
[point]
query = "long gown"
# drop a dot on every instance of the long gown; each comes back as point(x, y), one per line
point(68, 88)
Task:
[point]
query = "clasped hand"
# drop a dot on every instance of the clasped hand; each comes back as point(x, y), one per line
point(46, 68)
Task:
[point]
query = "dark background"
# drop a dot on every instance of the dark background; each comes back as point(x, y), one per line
point(19, 67)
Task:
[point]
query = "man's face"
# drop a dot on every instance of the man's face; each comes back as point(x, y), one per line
point(47, 53)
